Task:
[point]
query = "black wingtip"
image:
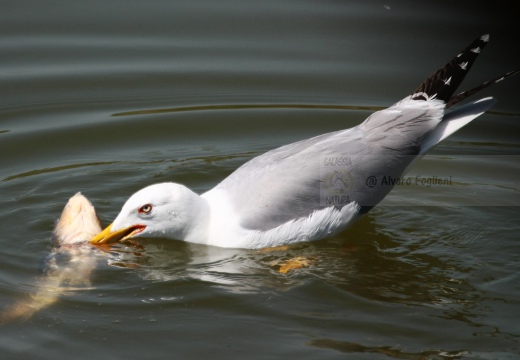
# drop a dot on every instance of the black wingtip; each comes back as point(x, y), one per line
point(445, 81)
point(461, 96)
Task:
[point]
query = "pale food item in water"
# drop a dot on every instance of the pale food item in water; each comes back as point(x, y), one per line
point(69, 265)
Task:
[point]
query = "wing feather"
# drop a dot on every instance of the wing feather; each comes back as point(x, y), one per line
point(332, 169)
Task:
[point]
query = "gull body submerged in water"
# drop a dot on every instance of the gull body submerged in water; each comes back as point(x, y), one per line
point(70, 263)
point(313, 188)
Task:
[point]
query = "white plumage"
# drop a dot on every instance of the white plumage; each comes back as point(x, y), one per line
point(313, 188)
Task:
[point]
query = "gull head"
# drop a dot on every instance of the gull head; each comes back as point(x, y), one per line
point(165, 210)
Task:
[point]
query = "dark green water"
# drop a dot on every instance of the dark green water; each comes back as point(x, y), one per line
point(106, 97)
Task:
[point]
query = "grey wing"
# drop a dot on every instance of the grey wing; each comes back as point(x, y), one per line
point(333, 169)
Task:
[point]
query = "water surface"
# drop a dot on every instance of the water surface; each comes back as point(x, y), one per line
point(108, 97)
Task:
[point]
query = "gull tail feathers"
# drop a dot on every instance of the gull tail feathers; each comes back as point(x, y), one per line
point(455, 120)
point(445, 81)
point(461, 96)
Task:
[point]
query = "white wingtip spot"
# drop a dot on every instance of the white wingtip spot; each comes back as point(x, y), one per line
point(485, 38)
point(476, 50)
point(463, 65)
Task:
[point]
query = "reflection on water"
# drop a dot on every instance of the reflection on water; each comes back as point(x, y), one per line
point(380, 266)
point(365, 261)
point(390, 351)
point(108, 97)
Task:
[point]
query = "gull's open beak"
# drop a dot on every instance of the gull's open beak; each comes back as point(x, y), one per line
point(106, 236)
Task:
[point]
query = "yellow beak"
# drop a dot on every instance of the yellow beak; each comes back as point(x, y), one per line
point(106, 236)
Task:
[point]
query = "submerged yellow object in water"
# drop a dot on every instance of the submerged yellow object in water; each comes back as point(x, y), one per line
point(298, 262)
point(69, 265)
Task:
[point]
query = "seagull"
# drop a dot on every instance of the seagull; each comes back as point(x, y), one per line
point(313, 188)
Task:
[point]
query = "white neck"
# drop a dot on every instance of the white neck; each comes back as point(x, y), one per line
point(197, 220)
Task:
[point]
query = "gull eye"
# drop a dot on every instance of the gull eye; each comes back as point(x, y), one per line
point(145, 209)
